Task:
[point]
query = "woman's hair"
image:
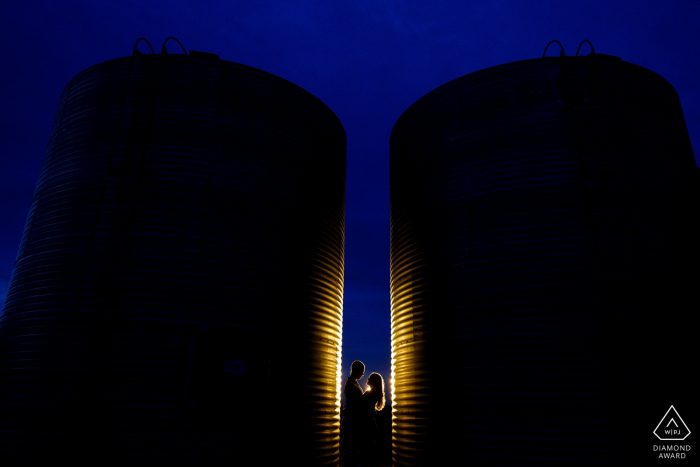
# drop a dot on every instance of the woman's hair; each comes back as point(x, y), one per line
point(376, 384)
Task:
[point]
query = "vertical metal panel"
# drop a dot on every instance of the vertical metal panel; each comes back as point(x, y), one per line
point(189, 214)
point(539, 219)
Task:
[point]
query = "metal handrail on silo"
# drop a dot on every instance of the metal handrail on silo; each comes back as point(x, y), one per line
point(589, 43)
point(136, 51)
point(164, 50)
point(561, 53)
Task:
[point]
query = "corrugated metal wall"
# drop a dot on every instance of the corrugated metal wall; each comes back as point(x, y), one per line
point(540, 252)
point(178, 288)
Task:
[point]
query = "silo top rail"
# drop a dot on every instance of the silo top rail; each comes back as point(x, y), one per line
point(589, 43)
point(561, 54)
point(164, 50)
point(136, 51)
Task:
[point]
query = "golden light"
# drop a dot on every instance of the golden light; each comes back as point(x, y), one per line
point(392, 379)
point(339, 366)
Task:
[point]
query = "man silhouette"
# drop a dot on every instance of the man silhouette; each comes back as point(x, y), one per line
point(351, 426)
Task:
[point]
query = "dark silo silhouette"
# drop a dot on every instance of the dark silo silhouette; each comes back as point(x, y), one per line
point(540, 258)
point(178, 288)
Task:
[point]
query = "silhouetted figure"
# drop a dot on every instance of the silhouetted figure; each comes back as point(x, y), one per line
point(350, 429)
point(371, 402)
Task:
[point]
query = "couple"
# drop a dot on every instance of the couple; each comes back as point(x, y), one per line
point(359, 429)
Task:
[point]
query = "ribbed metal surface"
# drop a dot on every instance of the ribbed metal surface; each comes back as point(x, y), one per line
point(538, 252)
point(189, 216)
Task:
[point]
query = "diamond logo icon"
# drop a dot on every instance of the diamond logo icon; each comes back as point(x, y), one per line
point(671, 427)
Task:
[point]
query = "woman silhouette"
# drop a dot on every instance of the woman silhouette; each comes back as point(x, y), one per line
point(372, 401)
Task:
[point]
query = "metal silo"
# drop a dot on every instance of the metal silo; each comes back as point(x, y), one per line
point(178, 288)
point(539, 264)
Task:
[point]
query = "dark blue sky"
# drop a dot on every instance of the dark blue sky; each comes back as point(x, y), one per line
point(367, 60)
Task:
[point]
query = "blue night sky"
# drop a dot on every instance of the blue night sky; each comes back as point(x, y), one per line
point(367, 60)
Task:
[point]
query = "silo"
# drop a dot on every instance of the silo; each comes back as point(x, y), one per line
point(539, 265)
point(178, 288)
